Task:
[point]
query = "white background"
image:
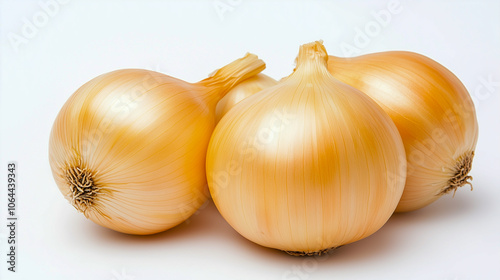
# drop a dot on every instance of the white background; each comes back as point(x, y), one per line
point(72, 42)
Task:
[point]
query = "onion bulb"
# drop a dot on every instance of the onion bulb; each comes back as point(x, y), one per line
point(244, 89)
point(307, 165)
point(128, 148)
point(433, 112)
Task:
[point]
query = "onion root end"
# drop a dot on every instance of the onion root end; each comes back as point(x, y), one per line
point(83, 188)
point(461, 177)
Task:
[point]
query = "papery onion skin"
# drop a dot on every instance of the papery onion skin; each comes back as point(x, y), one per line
point(244, 89)
point(434, 114)
point(128, 148)
point(307, 165)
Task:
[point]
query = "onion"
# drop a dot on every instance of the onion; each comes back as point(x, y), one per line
point(244, 89)
point(128, 148)
point(307, 165)
point(434, 114)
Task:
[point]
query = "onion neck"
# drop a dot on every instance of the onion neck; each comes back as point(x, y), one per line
point(224, 79)
point(312, 60)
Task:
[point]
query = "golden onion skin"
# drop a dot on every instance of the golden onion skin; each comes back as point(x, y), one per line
point(434, 114)
point(128, 148)
point(307, 165)
point(241, 91)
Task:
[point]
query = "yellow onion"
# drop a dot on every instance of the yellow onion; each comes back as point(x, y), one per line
point(307, 165)
point(128, 148)
point(433, 112)
point(244, 89)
